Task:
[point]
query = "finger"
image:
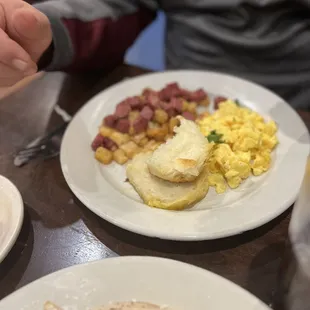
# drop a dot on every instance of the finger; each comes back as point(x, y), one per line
point(14, 56)
point(7, 82)
point(9, 76)
point(7, 72)
point(31, 29)
point(2, 17)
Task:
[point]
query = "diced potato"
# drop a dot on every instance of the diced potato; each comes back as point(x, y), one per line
point(192, 107)
point(159, 134)
point(172, 123)
point(105, 131)
point(165, 129)
point(203, 115)
point(104, 155)
point(185, 106)
point(152, 125)
point(152, 145)
point(151, 132)
point(130, 148)
point(131, 131)
point(143, 142)
point(138, 137)
point(205, 102)
point(133, 115)
point(149, 146)
point(120, 157)
point(161, 116)
point(50, 306)
point(119, 138)
point(146, 89)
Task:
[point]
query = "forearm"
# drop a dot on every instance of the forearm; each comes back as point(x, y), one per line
point(94, 33)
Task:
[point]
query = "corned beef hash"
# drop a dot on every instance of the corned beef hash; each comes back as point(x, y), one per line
point(142, 123)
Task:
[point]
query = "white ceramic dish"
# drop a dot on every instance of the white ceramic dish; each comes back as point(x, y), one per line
point(154, 280)
point(11, 216)
point(260, 199)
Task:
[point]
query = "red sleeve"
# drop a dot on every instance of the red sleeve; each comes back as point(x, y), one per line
point(102, 44)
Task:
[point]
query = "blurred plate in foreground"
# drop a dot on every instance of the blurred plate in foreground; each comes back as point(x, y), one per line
point(154, 280)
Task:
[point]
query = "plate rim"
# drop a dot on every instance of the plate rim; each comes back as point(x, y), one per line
point(217, 235)
point(209, 275)
point(20, 207)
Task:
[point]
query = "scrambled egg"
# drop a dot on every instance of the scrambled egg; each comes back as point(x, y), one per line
point(242, 144)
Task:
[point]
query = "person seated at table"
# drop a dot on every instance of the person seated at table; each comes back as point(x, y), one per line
point(266, 41)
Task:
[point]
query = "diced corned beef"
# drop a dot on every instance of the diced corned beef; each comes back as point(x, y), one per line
point(98, 141)
point(110, 120)
point(170, 91)
point(171, 111)
point(173, 85)
point(143, 102)
point(152, 100)
point(175, 93)
point(140, 124)
point(147, 113)
point(123, 125)
point(109, 144)
point(169, 108)
point(218, 100)
point(185, 94)
point(177, 104)
point(135, 102)
point(197, 95)
point(122, 109)
point(163, 95)
point(188, 115)
point(164, 105)
point(148, 91)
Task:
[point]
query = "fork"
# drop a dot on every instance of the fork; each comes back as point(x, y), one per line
point(44, 147)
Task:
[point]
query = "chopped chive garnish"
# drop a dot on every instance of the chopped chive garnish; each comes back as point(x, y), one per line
point(215, 137)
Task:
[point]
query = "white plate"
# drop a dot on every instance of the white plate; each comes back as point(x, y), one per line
point(11, 216)
point(260, 199)
point(154, 280)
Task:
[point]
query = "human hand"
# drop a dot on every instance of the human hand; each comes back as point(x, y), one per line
point(25, 33)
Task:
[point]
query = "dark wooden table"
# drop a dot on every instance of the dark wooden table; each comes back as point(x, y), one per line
point(59, 231)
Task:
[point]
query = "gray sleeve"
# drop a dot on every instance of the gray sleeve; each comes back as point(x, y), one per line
point(85, 11)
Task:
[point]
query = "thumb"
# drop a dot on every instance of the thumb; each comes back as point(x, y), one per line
point(31, 29)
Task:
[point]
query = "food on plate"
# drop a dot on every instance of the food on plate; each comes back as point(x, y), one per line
point(50, 306)
point(150, 116)
point(182, 158)
point(243, 144)
point(218, 100)
point(104, 155)
point(121, 147)
point(163, 194)
point(170, 142)
point(132, 305)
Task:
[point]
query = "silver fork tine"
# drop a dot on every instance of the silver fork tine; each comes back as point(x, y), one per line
point(41, 147)
point(31, 150)
point(48, 136)
point(42, 153)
